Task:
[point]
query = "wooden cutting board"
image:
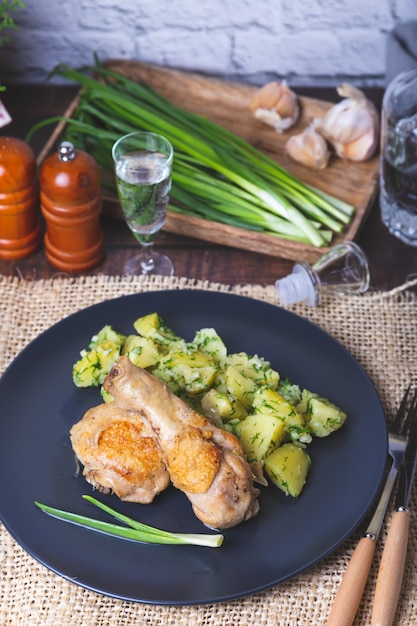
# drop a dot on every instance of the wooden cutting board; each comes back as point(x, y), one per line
point(227, 104)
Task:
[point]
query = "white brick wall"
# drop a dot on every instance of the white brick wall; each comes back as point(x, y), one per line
point(305, 41)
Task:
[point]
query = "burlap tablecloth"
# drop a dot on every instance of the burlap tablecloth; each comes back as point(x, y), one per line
point(379, 329)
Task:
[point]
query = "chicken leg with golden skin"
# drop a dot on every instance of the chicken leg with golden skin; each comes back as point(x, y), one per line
point(120, 453)
point(203, 461)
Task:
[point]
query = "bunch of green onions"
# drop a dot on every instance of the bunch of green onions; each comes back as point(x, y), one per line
point(216, 175)
point(133, 530)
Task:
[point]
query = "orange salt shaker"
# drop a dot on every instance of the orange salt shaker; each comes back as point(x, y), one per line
point(20, 228)
point(71, 203)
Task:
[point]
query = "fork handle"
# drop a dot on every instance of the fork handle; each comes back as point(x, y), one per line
point(351, 588)
point(391, 570)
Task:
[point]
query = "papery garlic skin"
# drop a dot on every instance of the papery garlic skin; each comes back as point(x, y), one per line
point(308, 148)
point(277, 105)
point(351, 125)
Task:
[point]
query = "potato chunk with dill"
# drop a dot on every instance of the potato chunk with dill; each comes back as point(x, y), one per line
point(270, 402)
point(255, 368)
point(142, 351)
point(287, 467)
point(153, 327)
point(219, 405)
point(244, 374)
point(107, 333)
point(323, 417)
point(208, 341)
point(94, 365)
point(259, 435)
point(191, 371)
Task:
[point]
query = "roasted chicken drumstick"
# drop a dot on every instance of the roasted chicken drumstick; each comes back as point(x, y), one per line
point(120, 453)
point(203, 461)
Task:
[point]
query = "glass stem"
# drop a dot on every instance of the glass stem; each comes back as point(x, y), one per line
point(147, 261)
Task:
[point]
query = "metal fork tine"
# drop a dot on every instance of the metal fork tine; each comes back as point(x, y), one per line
point(399, 424)
point(411, 414)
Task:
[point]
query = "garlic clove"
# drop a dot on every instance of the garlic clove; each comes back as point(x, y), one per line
point(308, 148)
point(346, 90)
point(361, 148)
point(277, 105)
point(351, 125)
point(266, 97)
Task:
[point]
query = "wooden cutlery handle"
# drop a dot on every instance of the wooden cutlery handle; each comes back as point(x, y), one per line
point(391, 570)
point(351, 589)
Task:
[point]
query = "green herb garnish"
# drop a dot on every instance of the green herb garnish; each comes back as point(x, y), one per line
point(137, 531)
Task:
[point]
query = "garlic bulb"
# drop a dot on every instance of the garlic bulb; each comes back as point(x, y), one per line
point(277, 105)
point(308, 148)
point(352, 125)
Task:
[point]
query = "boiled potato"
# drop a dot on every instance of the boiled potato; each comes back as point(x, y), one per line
point(107, 333)
point(94, 365)
point(191, 372)
point(240, 386)
point(154, 327)
point(259, 434)
point(208, 341)
point(254, 368)
point(287, 467)
point(106, 395)
point(323, 417)
point(273, 403)
point(142, 351)
point(216, 403)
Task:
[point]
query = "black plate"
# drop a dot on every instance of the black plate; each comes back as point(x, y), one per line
point(39, 403)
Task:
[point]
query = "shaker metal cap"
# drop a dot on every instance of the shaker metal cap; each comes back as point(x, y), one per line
point(66, 151)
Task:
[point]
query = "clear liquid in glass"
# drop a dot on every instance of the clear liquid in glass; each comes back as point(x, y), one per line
point(143, 184)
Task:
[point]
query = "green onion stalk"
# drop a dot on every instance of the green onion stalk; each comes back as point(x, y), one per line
point(131, 529)
point(216, 175)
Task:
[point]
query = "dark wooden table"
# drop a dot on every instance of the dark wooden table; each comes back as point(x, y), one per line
point(391, 262)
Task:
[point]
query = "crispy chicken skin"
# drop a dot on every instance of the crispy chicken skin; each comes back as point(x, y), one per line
point(204, 462)
point(120, 453)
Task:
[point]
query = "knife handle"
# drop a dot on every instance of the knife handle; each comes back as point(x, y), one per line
point(351, 589)
point(391, 570)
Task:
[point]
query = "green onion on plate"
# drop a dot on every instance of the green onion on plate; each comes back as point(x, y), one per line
point(135, 531)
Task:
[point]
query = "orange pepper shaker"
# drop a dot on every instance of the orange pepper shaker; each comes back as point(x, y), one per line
point(71, 203)
point(20, 224)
